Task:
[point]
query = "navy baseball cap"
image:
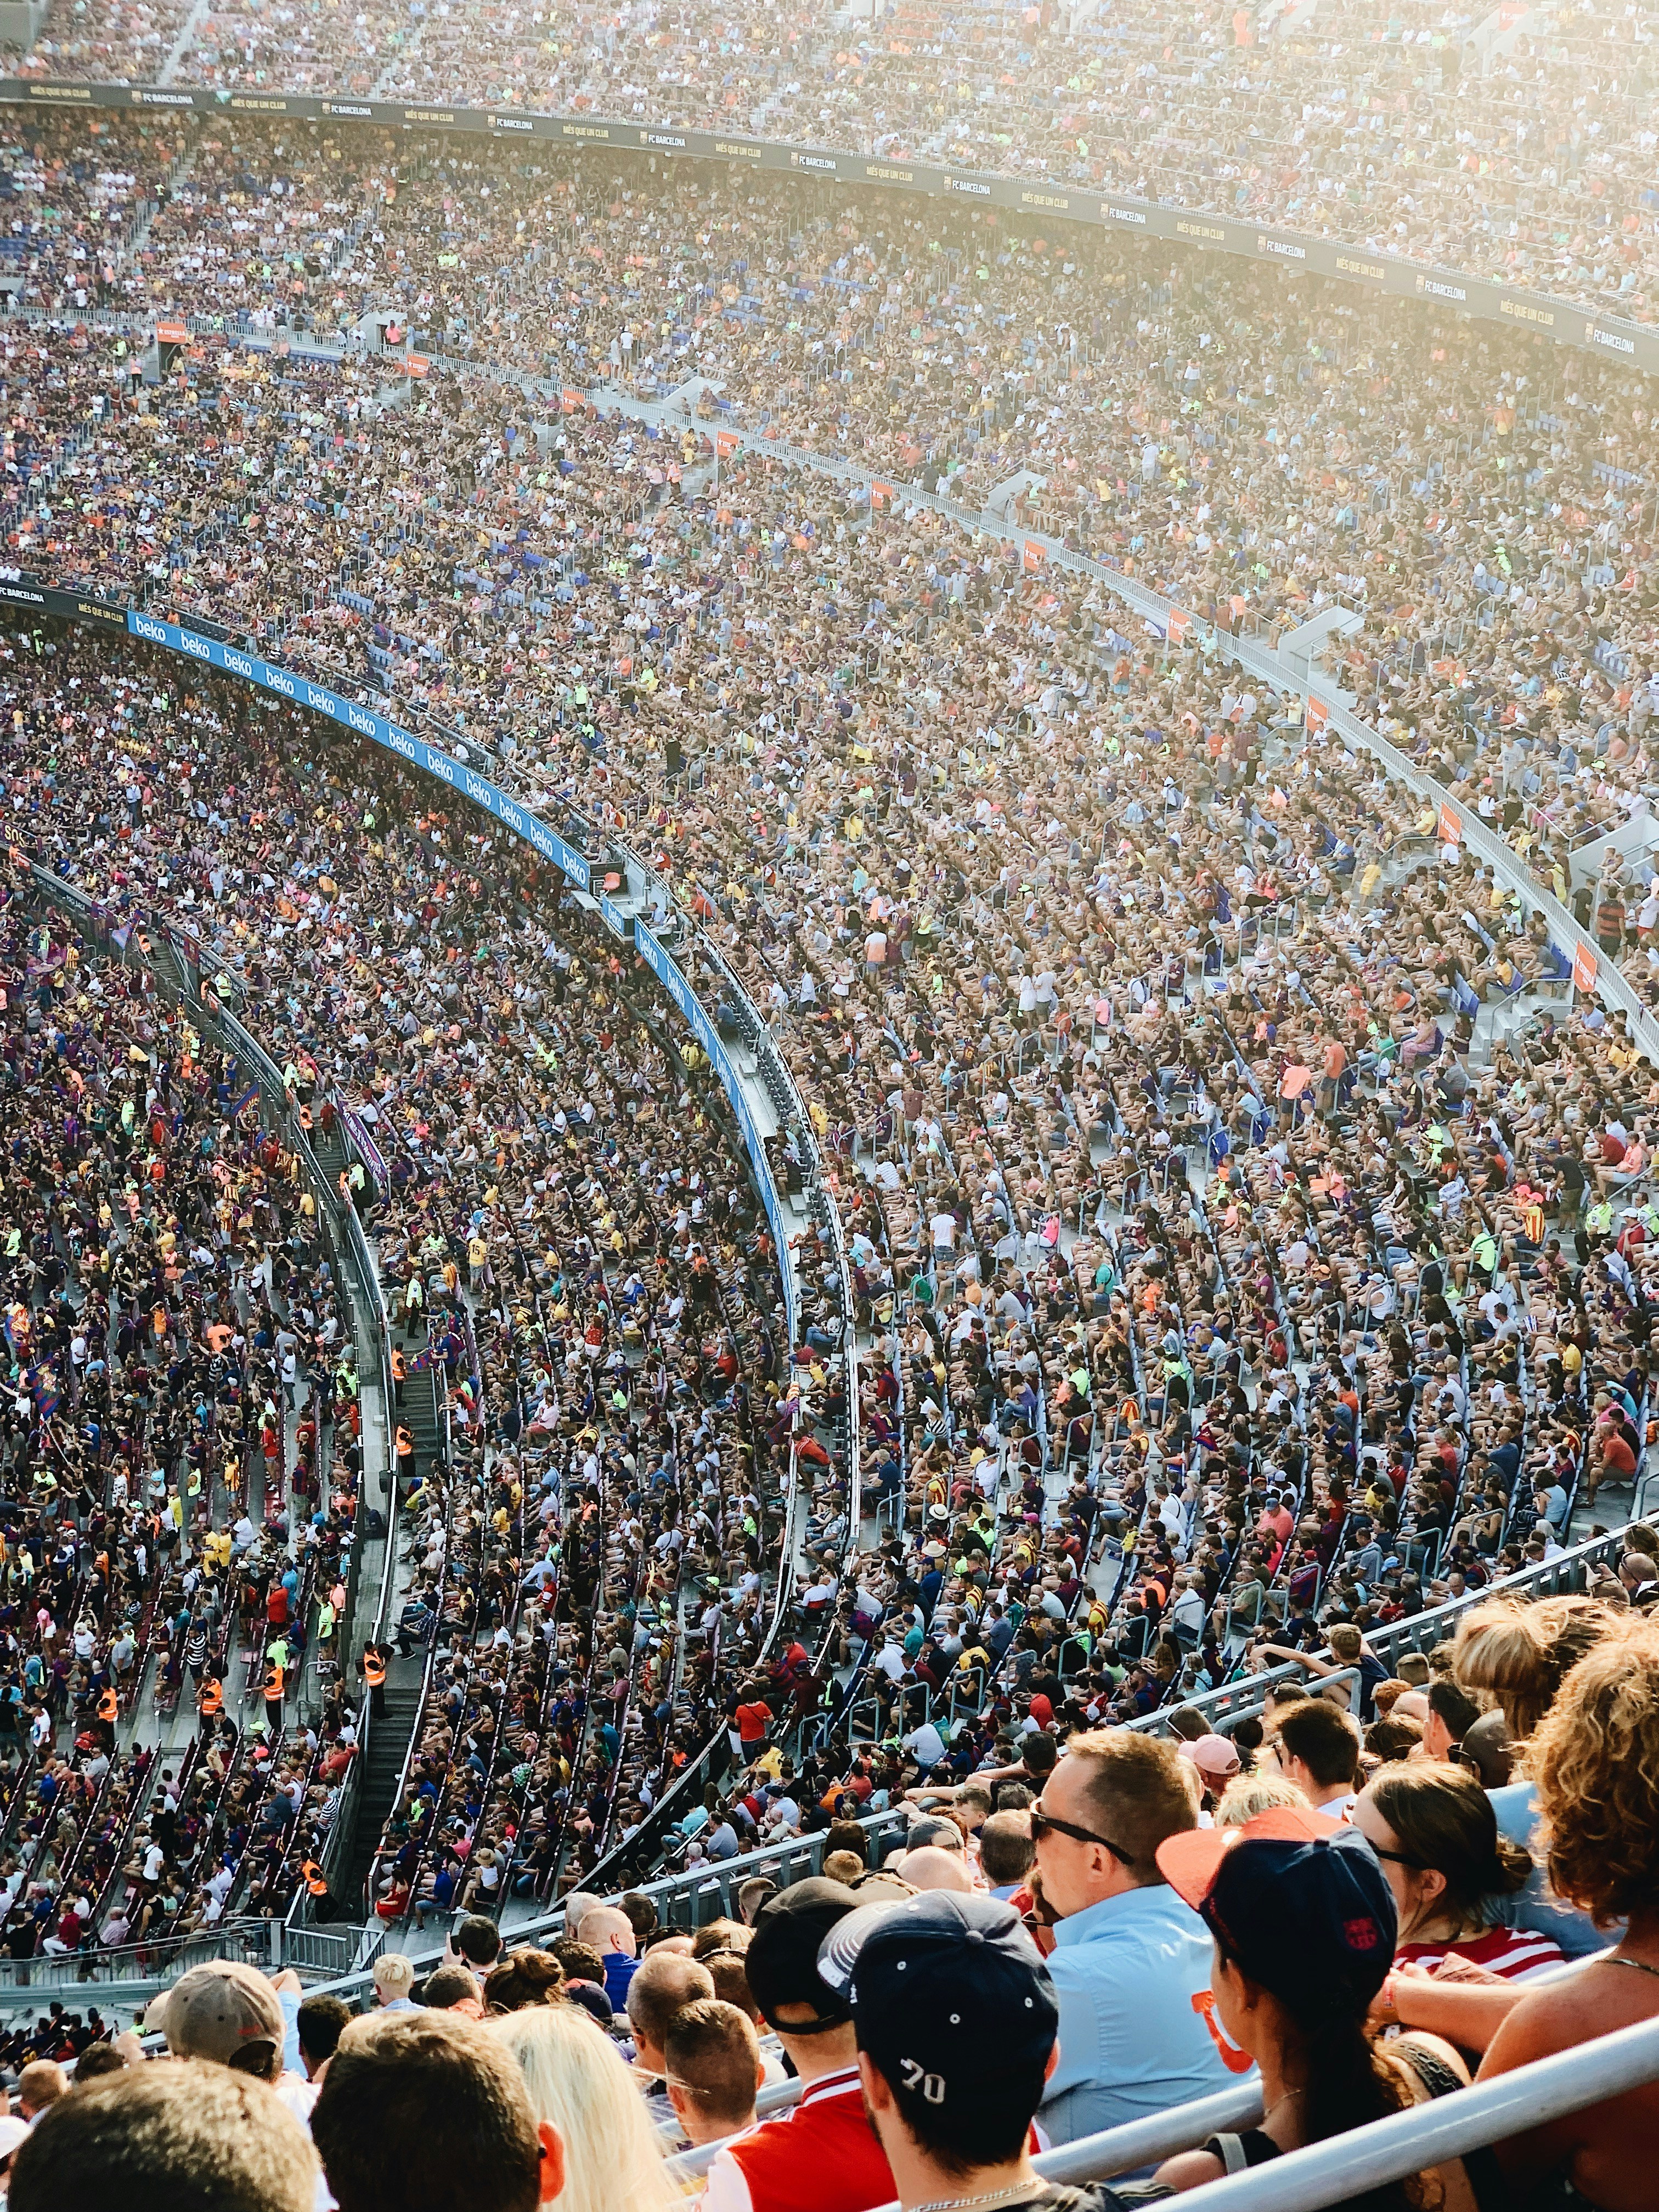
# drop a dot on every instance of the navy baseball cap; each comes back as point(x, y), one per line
point(947, 1991)
point(1298, 1901)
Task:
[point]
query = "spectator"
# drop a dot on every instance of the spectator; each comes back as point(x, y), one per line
point(611, 1934)
point(40, 2086)
point(525, 1980)
point(1006, 1852)
point(452, 1989)
point(474, 1943)
point(581, 2092)
point(1317, 1745)
point(1596, 1756)
point(421, 2111)
point(167, 2139)
point(1433, 1829)
point(713, 2068)
point(1131, 1959)
point(1304, 1927)
point(666, 1983)
point(320, 2021)
point(824, 2144)
point(1452, 1714)
point(394, 1976)
point(956, 2018)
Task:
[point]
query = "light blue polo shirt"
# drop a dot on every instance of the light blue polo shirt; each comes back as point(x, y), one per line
point(1133, 2042)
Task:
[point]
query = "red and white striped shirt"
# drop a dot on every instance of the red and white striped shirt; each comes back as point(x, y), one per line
point(1514, 1953)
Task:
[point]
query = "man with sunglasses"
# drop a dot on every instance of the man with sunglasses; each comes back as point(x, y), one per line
point(1131, 1964)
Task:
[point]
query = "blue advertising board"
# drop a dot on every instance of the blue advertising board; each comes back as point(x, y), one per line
point(302, 692)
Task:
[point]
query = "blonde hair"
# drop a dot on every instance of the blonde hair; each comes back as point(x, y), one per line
point(1247, 1794)
point(1520, 1653)
point(577, 2080)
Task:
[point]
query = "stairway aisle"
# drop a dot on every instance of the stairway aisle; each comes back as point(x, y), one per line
point(388, 1743)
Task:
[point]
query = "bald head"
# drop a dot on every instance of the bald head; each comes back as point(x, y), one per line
point(609, 1932)
point(666, 1983)
point(931, 1868)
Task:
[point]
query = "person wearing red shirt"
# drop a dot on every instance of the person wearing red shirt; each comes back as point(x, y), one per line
point(821, 2157)
point(753, 1720)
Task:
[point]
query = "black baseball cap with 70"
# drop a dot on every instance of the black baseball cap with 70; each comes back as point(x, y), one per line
point(949, 1997)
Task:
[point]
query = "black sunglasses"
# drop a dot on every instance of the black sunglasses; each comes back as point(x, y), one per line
point(1044, 1824)
point(1400, 1858)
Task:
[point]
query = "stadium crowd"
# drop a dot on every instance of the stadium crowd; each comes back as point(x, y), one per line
point(1250, 1234)
point(1008, 1977)
point(1516, 150)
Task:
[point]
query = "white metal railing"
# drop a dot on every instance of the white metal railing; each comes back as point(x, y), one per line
point(1422, 1631)
point(1333, 2172)
point(679, 1897)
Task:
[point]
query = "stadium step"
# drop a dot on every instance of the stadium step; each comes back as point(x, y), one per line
point(418, 1413)
point(388, 1746)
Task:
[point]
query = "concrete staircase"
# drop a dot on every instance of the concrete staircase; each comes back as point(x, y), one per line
point(388, 1746)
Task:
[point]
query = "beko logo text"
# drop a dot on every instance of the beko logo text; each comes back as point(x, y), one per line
point(401, 741)
point(280, 680)
point(323, 700)
point(156, 632)
point(364, 723)
point(198, 648)
point(240, 664)
point(476, 789)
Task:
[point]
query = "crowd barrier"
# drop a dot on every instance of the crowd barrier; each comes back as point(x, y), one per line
point(1366, 267)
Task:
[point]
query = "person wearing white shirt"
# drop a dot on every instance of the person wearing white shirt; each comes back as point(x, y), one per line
point(1316, 1745)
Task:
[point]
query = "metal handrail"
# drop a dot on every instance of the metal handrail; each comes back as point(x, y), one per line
point(1346, 2166)
point(1407, 2142)
point(1420, 1631)
point(724, 1878)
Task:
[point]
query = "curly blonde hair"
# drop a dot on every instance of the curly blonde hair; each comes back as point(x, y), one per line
point(1520, 1653)
point(1596, 1761)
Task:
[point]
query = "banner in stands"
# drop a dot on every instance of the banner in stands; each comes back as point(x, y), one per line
point(18, 590)
point(368, 724)
point(1631, 343)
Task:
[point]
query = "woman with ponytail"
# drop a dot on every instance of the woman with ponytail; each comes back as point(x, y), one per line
point(1433, 1829)
point(1303, 1919)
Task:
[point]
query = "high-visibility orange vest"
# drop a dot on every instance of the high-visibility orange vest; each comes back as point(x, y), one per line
point(313, 1875)
point(405, 1444)
point(399, 1365)
point(213, 1697)
point(374, 1668)
point(273, 1680)
point(109, 1706)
